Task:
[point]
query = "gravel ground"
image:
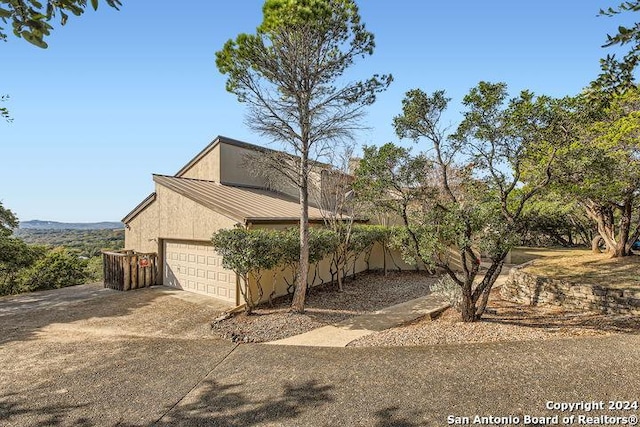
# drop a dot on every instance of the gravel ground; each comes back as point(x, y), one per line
point(325, 306)
point(506, 322)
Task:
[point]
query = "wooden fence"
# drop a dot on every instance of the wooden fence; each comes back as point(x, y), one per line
point(126, 270)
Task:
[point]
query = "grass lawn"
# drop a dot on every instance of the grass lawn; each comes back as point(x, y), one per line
point(581, 266)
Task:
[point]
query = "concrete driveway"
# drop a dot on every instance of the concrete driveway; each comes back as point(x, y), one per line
point(102, 357)
point(146, 358)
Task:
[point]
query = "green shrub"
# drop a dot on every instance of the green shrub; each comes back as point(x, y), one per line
point(15, 257)
point(448, 289)
point(95, 271)
point(57, 269)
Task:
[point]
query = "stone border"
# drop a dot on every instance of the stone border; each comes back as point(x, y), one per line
point(526, 288)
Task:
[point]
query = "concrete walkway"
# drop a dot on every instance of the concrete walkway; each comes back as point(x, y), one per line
point(341, 334)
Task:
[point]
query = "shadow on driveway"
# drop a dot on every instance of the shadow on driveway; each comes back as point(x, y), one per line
point(13, 406)
point(156, 311)
point(229, 405)
point(110, 359)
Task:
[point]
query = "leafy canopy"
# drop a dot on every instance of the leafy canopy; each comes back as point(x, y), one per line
point(31, 19)
point(618, 75)
point(8, 221)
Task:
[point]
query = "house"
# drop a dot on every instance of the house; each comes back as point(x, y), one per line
point(217, 190)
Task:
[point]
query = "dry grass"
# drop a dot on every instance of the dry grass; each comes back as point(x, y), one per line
point(523, 254)
point(584, 267)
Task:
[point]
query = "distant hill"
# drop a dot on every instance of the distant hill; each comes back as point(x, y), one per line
point(53, 225)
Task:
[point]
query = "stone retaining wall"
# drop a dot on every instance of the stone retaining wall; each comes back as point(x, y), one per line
point(525, 288)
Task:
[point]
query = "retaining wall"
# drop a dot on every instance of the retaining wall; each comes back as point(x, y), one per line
point(526, 288)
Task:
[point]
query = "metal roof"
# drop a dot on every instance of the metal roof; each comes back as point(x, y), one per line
point(240, 203)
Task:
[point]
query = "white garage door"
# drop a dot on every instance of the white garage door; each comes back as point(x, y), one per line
point(197, 267)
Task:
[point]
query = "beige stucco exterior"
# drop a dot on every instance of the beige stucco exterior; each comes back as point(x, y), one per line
point(141, 232)
point(236, 167)
point(172, 216)
point(275, 282)
point(207, 167)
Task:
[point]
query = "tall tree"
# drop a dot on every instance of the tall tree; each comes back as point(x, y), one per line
point(291, 75)
point(556, 219)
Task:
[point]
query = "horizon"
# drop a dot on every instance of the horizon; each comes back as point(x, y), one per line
point(122, 99)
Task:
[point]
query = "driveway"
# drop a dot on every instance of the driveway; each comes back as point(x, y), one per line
point(102, 357)
point(146, 358)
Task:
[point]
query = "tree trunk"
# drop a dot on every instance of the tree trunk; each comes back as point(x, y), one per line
point(488, 281)
point(339, 270)
point(384, 258)
point(471, 311)
point(623, 247)
point(604, 218)
point(595, 244)
point(617, 245)
point(299, 296)
point(468, 307)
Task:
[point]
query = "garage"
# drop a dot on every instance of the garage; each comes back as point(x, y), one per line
point(214, 191)
point(197, 267)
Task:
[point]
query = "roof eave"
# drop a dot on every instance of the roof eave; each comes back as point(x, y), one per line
point(138, 209)
point(275, 219)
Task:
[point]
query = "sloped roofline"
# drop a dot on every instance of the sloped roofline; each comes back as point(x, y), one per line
point(220, 139)
point(237, 143)
point(138, 209)
point(198, 190)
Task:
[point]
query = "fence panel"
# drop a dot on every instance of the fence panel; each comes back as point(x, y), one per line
point(126, 270)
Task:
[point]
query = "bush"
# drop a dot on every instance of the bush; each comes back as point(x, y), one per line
point(15, 257)
point(448, 289)
point(57, 269)
point(94, 269)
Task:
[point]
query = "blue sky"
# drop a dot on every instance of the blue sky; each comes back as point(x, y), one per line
point(119, 95)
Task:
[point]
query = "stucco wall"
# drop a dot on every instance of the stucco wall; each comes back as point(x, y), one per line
point(236, 168)
point(207, 168)
point(172, 216)
point(182, 218)
point(140, 232)
point(275, 283)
